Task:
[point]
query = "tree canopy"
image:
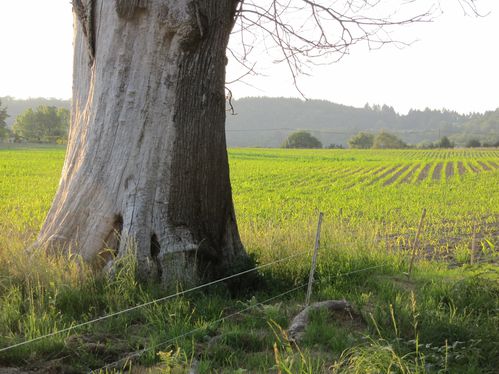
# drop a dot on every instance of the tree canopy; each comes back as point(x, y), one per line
point(3, 125)
point(45, 124)
point(385, 140)
point(381, 140)
point(362, 140)
point(301, 139)
point(473, 143)
point(17, 106)
point(444, 142)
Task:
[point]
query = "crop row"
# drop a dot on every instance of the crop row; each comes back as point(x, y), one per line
point(449, 154)
point(277, 190)
point(373, 193)
point(419, 172)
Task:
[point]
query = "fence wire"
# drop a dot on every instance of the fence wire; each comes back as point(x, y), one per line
point(127, 360)
point(137, 354)
point(155, 301)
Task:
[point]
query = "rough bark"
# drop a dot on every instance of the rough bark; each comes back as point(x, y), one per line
point(146, 159)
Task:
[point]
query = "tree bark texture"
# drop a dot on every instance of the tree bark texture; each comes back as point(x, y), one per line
point(146, 159)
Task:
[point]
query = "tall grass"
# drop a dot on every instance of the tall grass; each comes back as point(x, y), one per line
point(442, 319)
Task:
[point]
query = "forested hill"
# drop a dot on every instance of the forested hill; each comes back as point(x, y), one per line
point(266, 122)
point(17, 106)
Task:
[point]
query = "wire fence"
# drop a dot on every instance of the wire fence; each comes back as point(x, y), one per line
point(155, 301)
point(187, 291)
point(137, 354)
point(125, 361)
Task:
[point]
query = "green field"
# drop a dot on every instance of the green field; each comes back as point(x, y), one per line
point(383, 191)
point(443, 319)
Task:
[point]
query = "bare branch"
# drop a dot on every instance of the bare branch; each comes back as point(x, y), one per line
point(313, 32)
point(228, 99)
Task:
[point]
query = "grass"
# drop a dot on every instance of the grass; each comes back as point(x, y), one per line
point(443, 318)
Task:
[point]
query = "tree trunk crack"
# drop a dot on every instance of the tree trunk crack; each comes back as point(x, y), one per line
point(86, 15)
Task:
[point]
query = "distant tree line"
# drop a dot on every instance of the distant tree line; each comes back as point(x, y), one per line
point(445, 142)
point(267, 122)
point(365, 140)
point(23, 121)
point(4, 131)
point(45, 124)
point(17, 106)
point(382, 140)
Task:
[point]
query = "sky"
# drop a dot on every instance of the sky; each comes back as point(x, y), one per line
point(452, 62)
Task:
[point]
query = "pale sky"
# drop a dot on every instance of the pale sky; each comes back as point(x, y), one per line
point(454, 63)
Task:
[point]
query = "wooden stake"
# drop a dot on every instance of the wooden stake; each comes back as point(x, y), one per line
point(386, 237)
point(314, 260)
point(473, 244)
point(415, 245)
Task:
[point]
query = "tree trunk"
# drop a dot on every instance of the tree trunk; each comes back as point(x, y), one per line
point(146, 159)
